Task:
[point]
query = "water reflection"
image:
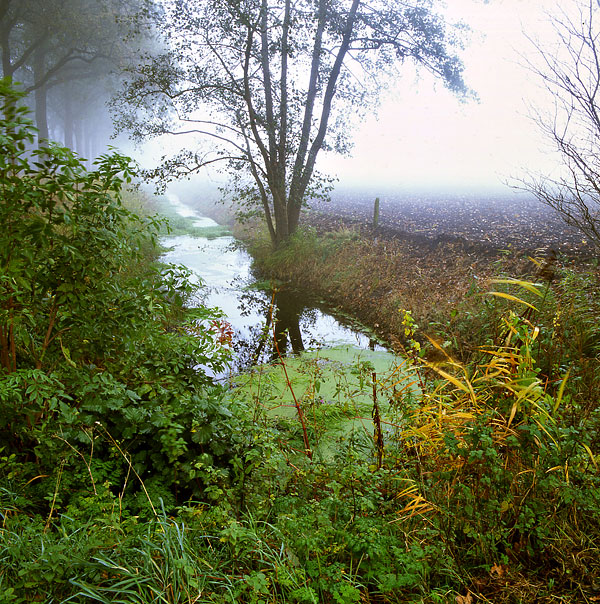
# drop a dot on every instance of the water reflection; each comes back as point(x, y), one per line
point(282, 313)
point(290, 322)
point(260, 319)
point(288, 310)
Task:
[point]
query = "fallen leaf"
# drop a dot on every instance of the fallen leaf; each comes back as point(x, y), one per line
point(497, 569)
point(468, 599)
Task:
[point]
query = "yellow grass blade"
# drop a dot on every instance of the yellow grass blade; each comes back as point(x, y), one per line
point(409, 490)
point(507, 386)
point(528, 285)
point(438, 347)
point(592, 457)
point(543, 429)
point(523, 392)
point(512, 298)
point(468, 388)
point(449, 378)
point(419, 505)
point(36, 478)
point(513, 412)
point(561, 391)
point(462, 415)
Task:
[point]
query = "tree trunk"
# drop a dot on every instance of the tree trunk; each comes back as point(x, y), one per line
point(91, 140)
point(68, 116)
point(281, 221)
point(78, 139)
point(293, 213)
point(41, 98)
point(7, 71)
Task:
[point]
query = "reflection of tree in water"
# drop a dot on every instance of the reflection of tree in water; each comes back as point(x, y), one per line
point(288, 309)
point(284, 313)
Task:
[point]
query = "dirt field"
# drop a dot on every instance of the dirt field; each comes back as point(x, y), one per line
point(484, 223)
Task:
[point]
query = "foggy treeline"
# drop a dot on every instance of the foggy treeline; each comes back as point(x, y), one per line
point(68, 57)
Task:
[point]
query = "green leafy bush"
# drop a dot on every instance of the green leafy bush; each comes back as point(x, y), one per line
point(99, 384)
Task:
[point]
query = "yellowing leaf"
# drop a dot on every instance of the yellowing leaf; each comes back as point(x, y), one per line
point(592, 457)
point(528, 285)
point(513, 412)
point(451, 379)
point(497, 569)
point(561, 391)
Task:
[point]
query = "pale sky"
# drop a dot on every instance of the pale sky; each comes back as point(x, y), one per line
point(425, 136)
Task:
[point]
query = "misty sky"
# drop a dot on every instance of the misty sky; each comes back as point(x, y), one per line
point(425, 137)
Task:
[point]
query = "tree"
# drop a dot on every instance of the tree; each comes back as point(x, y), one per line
point(570, 74)
point(48, 44)
point(274, 82)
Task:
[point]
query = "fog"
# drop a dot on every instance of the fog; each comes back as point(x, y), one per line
point(423, 138)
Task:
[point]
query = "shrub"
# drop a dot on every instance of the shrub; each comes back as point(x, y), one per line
point(98, 385)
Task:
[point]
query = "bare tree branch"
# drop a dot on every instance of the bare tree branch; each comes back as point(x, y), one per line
point(570, 74)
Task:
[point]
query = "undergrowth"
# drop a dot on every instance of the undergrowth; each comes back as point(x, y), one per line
point(467, 472)
point(482, 486)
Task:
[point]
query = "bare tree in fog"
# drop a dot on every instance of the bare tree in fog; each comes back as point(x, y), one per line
point(274, 82)
point(570, 73)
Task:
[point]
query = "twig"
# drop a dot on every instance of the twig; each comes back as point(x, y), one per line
point(307, 448)
point(377, 431)
point(58, 479)
point(128, 460)
point(89, 469)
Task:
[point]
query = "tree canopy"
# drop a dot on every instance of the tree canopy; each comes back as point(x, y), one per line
point(271, 83)
point(48, 45)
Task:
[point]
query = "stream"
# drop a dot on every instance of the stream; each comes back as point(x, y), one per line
point(258, 315)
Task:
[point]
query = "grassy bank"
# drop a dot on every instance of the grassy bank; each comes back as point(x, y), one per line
point(443, 283)
point(375, 278)
point(445, 286)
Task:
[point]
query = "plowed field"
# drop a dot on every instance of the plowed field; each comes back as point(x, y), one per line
point(487, 223)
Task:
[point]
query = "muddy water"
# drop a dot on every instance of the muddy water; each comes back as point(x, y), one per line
point(258, 315)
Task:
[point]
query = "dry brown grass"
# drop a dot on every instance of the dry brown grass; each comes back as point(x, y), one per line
point(372, 277)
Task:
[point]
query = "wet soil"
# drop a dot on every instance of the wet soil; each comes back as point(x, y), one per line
point(481, 224)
